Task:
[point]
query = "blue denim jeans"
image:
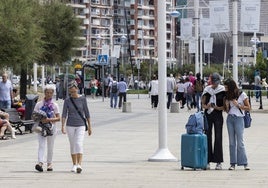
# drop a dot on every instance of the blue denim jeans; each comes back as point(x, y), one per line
point(235, 127)
point(257, 92)
point(113, 100)
point(5, 104)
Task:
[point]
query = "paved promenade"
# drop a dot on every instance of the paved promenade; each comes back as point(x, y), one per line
point(116, 155)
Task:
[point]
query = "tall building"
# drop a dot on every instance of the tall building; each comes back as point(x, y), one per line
point(104, 22)
point(245, 49)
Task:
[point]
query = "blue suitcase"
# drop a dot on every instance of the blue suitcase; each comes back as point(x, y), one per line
point(194, 151)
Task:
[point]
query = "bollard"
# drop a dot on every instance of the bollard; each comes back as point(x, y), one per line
point(174, 107)
point(126, 107)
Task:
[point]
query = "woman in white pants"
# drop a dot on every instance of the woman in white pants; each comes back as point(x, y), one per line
point(74, 112)
point(52, 111)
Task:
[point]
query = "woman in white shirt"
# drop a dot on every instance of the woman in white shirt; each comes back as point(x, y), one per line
point(235, 104)
point(154, 91)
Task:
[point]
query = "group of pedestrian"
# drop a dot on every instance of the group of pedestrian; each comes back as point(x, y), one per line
point(217, 98)
point(117, 89)
point(75, 114)
point(187, 89)
point(214, 99)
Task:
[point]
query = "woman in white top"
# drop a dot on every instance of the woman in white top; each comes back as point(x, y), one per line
point(154, 91)
point(52, 111)
point(180, 96)
point(235, 104)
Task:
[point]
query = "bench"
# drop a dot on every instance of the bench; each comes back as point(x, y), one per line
point(17, 122)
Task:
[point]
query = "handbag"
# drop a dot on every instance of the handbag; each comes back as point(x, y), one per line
point(247, 118)
point(80, 114)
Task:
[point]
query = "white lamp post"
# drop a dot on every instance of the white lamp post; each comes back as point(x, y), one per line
point(254, 40)
point(123, 41)
point(162, 153)
point(174, 14)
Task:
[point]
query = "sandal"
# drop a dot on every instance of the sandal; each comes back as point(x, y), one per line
point(49, 168)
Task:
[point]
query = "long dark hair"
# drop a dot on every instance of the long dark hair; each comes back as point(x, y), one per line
point(233, 90)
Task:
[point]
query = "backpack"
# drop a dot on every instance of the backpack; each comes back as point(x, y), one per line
point(198, 85)
point(190, 89)
point(197, 123)
point(114, 87)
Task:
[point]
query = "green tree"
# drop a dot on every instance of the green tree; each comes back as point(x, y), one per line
point(20, 36)
point(61, 29)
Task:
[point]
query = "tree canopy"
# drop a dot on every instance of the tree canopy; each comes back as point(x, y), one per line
point(36, 32)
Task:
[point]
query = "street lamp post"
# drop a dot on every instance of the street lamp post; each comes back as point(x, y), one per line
point(99, 37)
point(254, 40)
point(174, 14)
point(162, 153)
point(196, 19)
point(123, 40)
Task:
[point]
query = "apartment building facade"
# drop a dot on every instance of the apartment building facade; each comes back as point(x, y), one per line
point(104, 22)
point(245, 46)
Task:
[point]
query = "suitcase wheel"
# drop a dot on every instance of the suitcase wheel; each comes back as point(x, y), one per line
point(182, 168)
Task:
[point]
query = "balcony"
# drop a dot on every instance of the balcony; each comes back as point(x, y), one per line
point(86, 11)
point(86, 21)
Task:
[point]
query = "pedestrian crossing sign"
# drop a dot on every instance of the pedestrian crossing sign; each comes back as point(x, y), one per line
point(103, 59)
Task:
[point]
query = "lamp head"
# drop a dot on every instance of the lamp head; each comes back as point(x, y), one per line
point(175, 14)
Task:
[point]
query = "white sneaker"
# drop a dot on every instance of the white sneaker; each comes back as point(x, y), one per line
point(208, 166)
point(246, 167)
point(74, 168)
point(79, 169)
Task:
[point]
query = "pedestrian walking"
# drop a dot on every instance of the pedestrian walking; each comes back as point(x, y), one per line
point(199, 84)
point(153, 87)
point(122, 88)
point(75, 114)
point(94, 87)
point(51, 110)
point(235, 104)
point(113, 87)
point(5, 92)
point(189, 90)
point(257, 85)
point(180, 93)
point(170, 89)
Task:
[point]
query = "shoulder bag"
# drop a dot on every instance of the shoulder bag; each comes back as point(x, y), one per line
point(80, 114)
point(247, 118)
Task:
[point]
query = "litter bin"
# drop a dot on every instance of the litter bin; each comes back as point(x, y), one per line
point(30, 103)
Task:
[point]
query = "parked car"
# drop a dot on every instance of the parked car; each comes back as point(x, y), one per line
point(15, 80)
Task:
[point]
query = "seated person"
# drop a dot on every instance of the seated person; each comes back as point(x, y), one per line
point(16, 102)
point(5, 125)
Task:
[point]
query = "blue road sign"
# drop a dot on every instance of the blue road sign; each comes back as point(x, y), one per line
point(103, 59)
